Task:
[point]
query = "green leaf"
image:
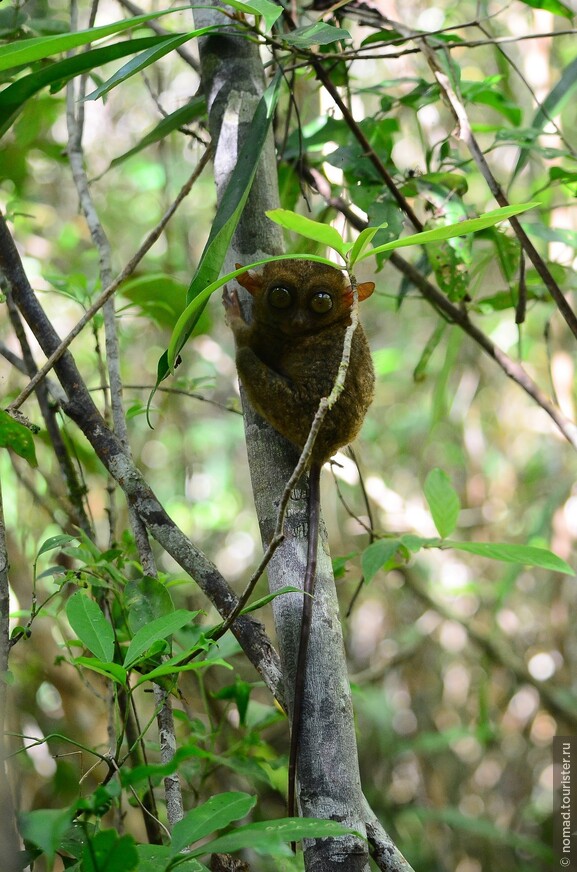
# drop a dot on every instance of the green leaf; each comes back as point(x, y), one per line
point(269, 11)
point(414, 543)
point(169, 669)
point(420, 370)
point(560, 174)
point(315, 230)
point(16, 436)
point(268, 836)
point(155, 631)
point(184, 115)
point(265, 600)
point(228, 213)
point(553, 6)
point(45, 828)
point(527, 555)
point(443, 501)
point(362, 241)
point(111, 670)
point(109, 852)
point(550, 106)
point(13, 98)
point(376, 555)
point(146, 599)
point(25, 51)
point(471, 225)
point(239, 691)
point(157, 771)
point(159, 296)
point(315, 34)
point(218, 812)
point(145, 59)
point(86, 619)
point(55, 542)
point(157, 858)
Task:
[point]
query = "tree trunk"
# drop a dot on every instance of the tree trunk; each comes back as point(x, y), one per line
point(328, 782)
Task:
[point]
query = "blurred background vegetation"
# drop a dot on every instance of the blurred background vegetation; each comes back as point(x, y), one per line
point(463, 669)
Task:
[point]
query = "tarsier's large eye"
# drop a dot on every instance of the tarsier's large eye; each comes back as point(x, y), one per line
point(279, 297)
point(321, 302)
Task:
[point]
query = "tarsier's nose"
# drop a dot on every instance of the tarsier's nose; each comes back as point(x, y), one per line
point(299, 319)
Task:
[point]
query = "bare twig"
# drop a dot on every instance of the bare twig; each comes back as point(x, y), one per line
point(369, 53)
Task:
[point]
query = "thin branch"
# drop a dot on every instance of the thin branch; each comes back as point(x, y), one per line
point(369, 151)
point(8, 834)
point(519, 73)
point(509, 366)
point(111, 289)
point(74, 486)
point(466, 135)
point(165, 720)
point(455, 315)
point(368, 52)
point(183, 393)
point(81, 409)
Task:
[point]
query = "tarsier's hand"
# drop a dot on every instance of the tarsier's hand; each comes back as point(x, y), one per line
point(232, 311)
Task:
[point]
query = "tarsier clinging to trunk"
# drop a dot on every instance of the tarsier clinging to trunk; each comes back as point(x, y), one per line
point(287, 359)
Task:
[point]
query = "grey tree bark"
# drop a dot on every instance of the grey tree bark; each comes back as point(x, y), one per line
point(328, 781)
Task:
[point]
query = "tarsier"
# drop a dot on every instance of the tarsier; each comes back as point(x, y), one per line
point(287, 359)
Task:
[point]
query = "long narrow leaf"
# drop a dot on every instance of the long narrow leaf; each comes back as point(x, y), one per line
point(182, 115)
point(226, 220)
point(268, 836)
point(145, 59)
point(527, 555)
point(472, 225)
point(27, 51)
point(13, 98)
point(551, 106)
point(315, 230)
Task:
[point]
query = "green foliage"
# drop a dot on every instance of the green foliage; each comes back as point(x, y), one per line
point(443, 501)
point(16, 436)
point(90, 625)
point(103, 850)
point(461, 595)
point(226, 219)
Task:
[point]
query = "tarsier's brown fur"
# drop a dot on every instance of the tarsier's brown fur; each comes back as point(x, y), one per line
point(288, 358)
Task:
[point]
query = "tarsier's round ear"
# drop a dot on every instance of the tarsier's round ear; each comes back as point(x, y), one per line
point(250, 282)
point(364, 289)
